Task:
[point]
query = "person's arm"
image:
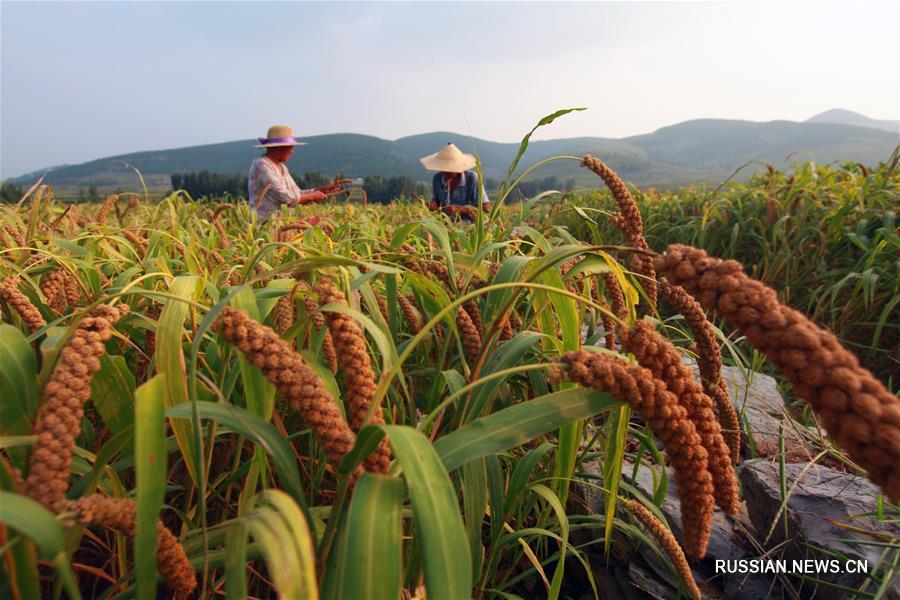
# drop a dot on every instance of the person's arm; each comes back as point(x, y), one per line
point(311, 196)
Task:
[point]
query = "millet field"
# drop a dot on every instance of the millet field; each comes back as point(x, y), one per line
point(395, 404)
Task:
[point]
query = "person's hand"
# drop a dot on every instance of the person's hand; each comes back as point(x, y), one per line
point(330, 188)
point(312, 197)
point(432, 206)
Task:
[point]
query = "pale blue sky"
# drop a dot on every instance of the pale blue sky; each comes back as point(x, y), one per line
point(86, 80)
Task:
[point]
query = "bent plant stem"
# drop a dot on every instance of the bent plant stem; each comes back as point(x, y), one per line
point(433, 415)
point(495, 210)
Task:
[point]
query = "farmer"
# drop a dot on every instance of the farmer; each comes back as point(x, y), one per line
point(270, 183)
point(456, 184)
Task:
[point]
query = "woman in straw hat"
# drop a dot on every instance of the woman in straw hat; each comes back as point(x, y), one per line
point(456, 183)
point(270, 183)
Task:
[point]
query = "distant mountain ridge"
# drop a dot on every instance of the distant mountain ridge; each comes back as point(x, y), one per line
point(848, 117)
point(692, 151)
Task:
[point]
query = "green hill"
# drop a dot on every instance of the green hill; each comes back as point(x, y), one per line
point(693, 151)
point(724, 144)
point(848, 117)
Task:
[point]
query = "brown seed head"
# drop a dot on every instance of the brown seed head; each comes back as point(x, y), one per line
point(58, 421)
point(659, 408)
point(660, 357)
point(359, 378)
point(406, 304)
point(15, 237)
point(283, 316)
point(709, 361)
point(318, 321)
point(287, 371)
point(856, 408)
point(469, 336)
point(628, 220)
point(105, 208)
point(19, 302)
point(120, 514)
point(668, 543)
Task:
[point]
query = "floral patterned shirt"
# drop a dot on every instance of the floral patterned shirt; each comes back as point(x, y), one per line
point(271, 185)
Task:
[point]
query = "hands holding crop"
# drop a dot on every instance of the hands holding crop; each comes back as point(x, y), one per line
point(312, 197)
point(330, 188)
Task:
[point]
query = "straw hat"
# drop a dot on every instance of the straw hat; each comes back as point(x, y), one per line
point(448, 159)
point(278, 135)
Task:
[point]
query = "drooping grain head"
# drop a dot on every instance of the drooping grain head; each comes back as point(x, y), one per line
point(469, 336)
point(659, 356)
point(668, 543)
point(105, 208)
point(58, 421)
point(358, 376)
point(120, 514)
point(410, 315)
point(20, 303)
point(287, 371)
point(856, 408)
point(629, 222)
point(659, 408)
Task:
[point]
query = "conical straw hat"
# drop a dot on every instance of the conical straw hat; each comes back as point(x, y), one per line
point(448, 159)
point(279, 135)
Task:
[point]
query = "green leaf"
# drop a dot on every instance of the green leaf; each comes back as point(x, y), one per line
point(150, 453)
point(439, 231)
point(518, 424)
point(475, 497)
point(18, 387)
point(170, 362)
point(524, 145)
point(367, 561)
point(37, 523)
point(282, 532)
point(554, 502)
point(23, 572)
point(86, 484)
point(260, 432)
point(510, 271)
point(524, 468)
point(566, 312)
point(440, 532)
point(259, 394)
point(112, 392)
point(505, 357)
point(236, 561)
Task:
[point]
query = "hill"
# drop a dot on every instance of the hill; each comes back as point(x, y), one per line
point(848, 117)
point(692, 151)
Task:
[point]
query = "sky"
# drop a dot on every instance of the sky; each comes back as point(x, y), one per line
point(80, 81)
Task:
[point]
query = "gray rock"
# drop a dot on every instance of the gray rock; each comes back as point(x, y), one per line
point(827, 515)
point(726, 541)
point(760, 405)
point(648, 584)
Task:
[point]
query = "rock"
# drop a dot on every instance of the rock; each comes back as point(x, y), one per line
point(648, 584)
point(761, 407)
point(726, 542)
point(827, 514)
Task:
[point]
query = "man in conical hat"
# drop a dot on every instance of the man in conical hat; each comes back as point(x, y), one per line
point(270, 183)
point(456, 183)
